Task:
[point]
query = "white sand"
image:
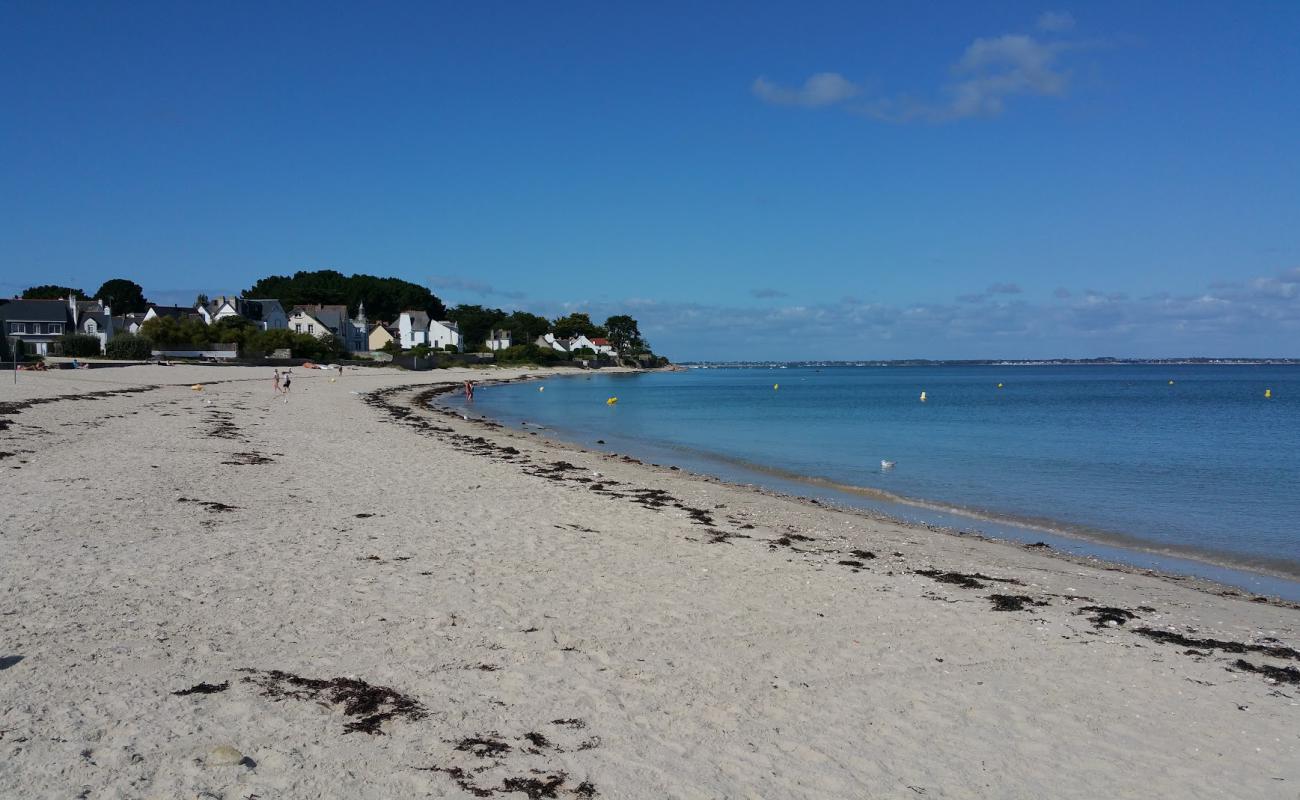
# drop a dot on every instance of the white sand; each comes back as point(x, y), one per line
point(739, 669)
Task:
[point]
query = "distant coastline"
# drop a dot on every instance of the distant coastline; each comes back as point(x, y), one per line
point(995, 362)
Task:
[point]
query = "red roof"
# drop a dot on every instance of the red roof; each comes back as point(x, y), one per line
point(600, 341)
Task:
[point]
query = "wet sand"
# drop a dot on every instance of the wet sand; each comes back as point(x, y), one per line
point(217, 594)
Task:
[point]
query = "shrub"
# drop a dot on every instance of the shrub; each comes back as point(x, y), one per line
point(527, 354)
point(451, 348)
point(79, 345)
point(186, 333)
point(332, 347)
point(300, 345)
point(584, 352)
point(391, 347)
point(129, 346)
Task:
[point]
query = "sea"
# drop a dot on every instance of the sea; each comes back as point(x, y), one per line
point(1190, 469)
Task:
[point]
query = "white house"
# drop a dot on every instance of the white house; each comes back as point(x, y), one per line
point(303, 321)
point(603, 347)
point(413, 329)
point(498, 340)
point(579, 342)
point(549, 340)
point(320, 320)
point(443, 333)
point(129, 322)
point(93, 318)
point(175, 312)
point(267, 314)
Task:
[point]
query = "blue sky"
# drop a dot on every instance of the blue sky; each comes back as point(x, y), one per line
point(750, 180)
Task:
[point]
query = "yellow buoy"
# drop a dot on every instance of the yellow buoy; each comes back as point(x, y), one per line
point(999, 386)
point(1171, 383)
point(611, 401)
point(776, 386)
point(1268, 393)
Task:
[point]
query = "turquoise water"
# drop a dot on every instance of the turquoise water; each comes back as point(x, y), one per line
point(1205, 467)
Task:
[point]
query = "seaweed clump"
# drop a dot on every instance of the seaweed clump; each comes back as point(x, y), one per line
point(1169, 637)
point(1275, 674)
point(204, 688)
point(1014, 602)
point(371, 705)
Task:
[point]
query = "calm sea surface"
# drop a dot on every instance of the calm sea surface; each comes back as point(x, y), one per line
point(1204, 468)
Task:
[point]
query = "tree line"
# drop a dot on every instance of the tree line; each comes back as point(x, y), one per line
point(384, 298)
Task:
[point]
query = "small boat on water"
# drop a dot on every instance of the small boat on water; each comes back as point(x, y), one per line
point(884, 465)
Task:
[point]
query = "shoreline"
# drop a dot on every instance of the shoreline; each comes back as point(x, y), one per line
point(216, 593)
point(1078, 535)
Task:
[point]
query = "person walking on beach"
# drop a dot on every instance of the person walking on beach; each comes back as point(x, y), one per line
point(288, 378)
point(276, 381)
point(469, 391)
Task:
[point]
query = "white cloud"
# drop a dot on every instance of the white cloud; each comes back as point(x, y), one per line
point(1055, 21)
point(989, 72)
point(458, 284)
point(822, 89)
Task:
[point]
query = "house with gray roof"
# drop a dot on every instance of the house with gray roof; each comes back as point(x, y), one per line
point(265, 313)
point(36, 323)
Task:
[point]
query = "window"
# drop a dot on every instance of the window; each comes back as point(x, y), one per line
point(90, 326)
point(18, 327)
point(297, 327)
point(52, 327)
point(311, 328)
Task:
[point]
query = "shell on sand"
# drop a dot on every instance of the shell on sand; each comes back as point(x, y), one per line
point(223, 755)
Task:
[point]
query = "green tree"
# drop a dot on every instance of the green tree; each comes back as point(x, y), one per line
point(124, 296)
point(625, 335)
point(576, 324)
point(51, 292)
point(475, 323)
point(231, 330)
point(385, 298)
point(201, 300)
point(525, 327)
point(331, 347)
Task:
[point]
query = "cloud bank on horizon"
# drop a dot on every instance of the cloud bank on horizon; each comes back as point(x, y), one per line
point(988, 74)
point(1257, 317)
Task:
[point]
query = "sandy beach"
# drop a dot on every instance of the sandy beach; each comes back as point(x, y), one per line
point(218, 594)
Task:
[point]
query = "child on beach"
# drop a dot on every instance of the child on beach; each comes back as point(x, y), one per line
point(469, 391)
point(276, 383)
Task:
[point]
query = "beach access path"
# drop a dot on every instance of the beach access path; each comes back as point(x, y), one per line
point(217, 594)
